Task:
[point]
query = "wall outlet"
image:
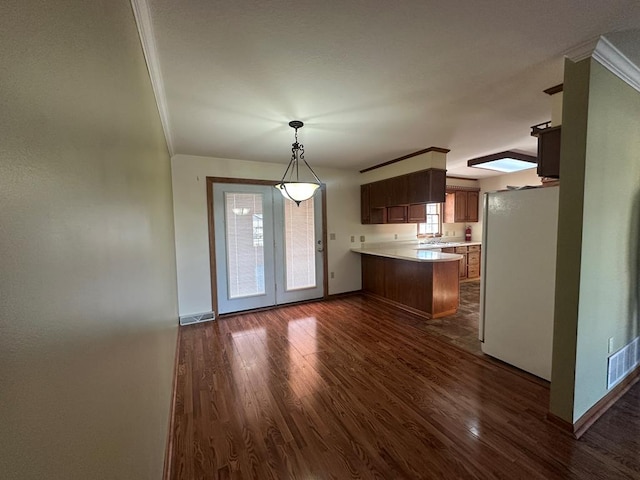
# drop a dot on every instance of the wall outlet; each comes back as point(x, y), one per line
point(610, 346)
point(332, 236)
point(353, 238)
point(362, 238)
point(395, 236)
point(333, 275)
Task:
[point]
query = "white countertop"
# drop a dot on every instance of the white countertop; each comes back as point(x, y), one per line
point(414, 251)
point(414, 254)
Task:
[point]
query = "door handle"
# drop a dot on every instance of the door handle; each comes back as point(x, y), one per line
point(320, 248)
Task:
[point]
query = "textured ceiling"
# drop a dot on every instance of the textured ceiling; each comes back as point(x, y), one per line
point(372, 80)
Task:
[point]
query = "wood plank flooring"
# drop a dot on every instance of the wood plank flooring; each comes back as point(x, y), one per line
point(354, 389)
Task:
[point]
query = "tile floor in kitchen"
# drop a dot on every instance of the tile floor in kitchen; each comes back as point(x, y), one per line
point(460, 329)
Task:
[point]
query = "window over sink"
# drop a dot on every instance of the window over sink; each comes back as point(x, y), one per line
point(433, 226)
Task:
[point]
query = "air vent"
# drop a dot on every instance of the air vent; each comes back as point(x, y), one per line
point(197, 318)
point(622, 362)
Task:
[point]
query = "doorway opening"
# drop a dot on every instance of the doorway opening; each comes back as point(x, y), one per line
point(264, 250)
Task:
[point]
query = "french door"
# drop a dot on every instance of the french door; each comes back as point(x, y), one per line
point(268, 250)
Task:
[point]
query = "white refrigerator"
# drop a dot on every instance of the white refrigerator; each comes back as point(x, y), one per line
point(517, 285)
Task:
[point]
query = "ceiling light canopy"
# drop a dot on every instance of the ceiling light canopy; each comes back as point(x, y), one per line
point(291, 188)
point(505, 162)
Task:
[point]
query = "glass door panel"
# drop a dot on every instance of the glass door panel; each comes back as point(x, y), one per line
point(300, 245)
point(268, 250)
point(243, 221)
point(298, 232)
point(245, 244)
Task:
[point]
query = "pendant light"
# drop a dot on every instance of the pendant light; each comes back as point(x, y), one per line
point(291, 188)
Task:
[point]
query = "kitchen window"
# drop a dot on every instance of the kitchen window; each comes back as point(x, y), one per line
point(433, 226)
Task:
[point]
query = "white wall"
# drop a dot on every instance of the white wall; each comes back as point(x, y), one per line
point(88, 291)
point(191, 225)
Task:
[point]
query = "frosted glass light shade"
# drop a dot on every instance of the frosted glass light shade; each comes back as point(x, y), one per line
point(297, 191)
point(506, 165)
point(505, 162)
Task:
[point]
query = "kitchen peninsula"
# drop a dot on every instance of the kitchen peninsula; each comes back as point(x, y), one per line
point(414, 277)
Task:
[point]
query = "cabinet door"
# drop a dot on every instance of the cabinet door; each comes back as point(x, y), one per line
point(460, 209)
point(417, 213)
point(449, 208)
point(472, 206)
point(397, 214)
point(365, 208)
point(418, 187)
point(473, 271)
point(463, 266)
point(549, 152)
point(427, 186)
point(473, 262)
point(437, 185)
point(377, 195)
point(397, 190)
point(463, 263)
point(378, 215)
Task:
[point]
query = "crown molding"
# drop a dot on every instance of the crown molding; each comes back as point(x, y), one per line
point(607, 55)
point(582, 51)
point(148, 41)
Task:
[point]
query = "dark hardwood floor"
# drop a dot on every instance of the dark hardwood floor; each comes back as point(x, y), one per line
point(353, 388)
point(460, 329)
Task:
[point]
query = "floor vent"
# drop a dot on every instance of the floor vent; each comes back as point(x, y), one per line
point(622, 362)
point(197, 318)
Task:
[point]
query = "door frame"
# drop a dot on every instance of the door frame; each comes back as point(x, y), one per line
point(212, 235)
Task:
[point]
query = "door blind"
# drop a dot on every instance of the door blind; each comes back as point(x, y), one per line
point(245, 245)
point(300, 248)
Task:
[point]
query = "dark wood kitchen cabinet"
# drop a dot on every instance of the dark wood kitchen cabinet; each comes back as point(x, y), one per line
point(369, 214)
point(461, 206)
point(549, 152)
point(429, 289)
point(397, 214)
point(417, 213)
point(427, 186)
point(399, 197)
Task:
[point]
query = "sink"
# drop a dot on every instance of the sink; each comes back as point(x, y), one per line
point(429, 246)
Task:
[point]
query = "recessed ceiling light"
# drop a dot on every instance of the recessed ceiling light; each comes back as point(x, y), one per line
point(505, 162)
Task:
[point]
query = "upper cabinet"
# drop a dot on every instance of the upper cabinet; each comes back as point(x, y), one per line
point(549, 139)
point(396, 200)
point(461, 206)
point(549, 152)
point(426, 186)
point(369, 214)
